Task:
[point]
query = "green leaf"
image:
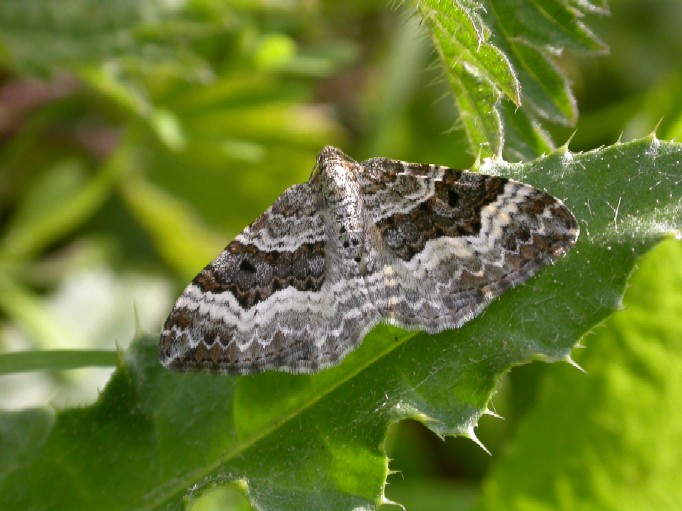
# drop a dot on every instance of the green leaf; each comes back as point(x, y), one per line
point(478, 72)
point(525, 138)
point(499, 52)
point(55, 360)
point(615, 430)
point(20, 433)
point(42, 36)
point(546, 23)
point(546, 90)
point(316, 441)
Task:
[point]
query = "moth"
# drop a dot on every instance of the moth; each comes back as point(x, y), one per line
point(414, 245)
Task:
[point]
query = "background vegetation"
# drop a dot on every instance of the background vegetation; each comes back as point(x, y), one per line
point(138, 138)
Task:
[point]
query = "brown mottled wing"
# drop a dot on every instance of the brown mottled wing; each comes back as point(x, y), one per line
point(452, 241)
point(253, 307)
point(277, 297)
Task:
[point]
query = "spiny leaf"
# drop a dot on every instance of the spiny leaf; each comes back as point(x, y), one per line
point(500, 50)
point(610, 430)
point(546, 91)
point(478, 72)
point(315, 441)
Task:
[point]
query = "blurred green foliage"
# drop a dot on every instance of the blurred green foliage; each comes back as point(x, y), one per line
point(137, 138)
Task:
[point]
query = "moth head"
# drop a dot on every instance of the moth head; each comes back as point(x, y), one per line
point(328, 157)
